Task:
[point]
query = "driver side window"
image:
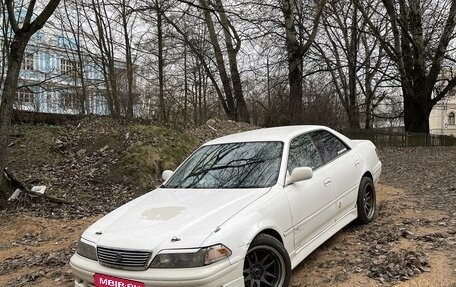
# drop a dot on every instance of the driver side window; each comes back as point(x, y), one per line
point(303, 153)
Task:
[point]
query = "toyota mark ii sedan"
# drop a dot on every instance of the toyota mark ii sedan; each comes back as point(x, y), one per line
point(242, 210)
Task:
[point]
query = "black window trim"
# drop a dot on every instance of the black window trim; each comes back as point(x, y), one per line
point(348, 148)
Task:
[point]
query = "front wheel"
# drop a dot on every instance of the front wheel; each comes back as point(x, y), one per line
point(366, 202)
point(267, 263)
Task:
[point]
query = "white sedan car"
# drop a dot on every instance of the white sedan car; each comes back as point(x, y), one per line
point(242, 210)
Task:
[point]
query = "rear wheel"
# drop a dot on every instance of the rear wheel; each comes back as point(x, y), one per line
point(366, 203)
point(266, 263)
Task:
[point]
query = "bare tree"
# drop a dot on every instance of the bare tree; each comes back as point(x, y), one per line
point(219, 60)
point(339, 49)
point(102, 37)
point(354, 60)
point(128, 20)
point(298, 39)
point(210, 65)
point(72, 26)
point(375, 72)
point(231, 34)
point(23, 27)
point(421, 32)
point(197, 47)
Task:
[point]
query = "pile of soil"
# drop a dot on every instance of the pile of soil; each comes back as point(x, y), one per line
point(98, 163)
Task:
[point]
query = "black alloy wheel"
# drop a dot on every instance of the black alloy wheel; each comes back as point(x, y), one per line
point(267, 263)
point(366, 203)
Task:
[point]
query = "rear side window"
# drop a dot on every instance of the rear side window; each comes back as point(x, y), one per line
point(328, 145)
point(303, 153)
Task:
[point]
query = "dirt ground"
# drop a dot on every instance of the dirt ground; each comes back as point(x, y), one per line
point(35, 250)
point(412, 241)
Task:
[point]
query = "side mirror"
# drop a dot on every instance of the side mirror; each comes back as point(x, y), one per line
point(167, 174)
point(299, 174)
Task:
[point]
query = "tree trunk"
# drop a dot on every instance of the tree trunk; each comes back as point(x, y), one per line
point(353, 115)
point(185, 86)
point(295, 99)
point(128, 60)
point(294, 65)
point(369, 94)
point(241, 106)
point(416, 114)
point(17, 50)
point(161, 63)
point(200, 98)
point(114, 91)
point(220, 62)
point(353, 118)
point(5, 190)
point(83, 97)
point(16, 54)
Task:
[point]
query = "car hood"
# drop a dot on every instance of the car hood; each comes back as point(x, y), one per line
point(152, 220)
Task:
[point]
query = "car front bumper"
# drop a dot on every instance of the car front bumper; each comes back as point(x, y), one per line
point(220, 274)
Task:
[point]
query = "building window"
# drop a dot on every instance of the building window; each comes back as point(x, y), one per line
point(451, 121)
point(27, 63)
point(24, 97)
point(65, 66)
point(122, 79)
point(69, 101)
point(69, 68)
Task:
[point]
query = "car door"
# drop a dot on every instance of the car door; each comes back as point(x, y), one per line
point(344, 169)
point(309, 200)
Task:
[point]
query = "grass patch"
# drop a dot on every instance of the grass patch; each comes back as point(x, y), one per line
point(156, 150)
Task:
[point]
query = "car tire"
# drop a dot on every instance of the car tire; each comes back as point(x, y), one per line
point(366, 202)
point(267, 263)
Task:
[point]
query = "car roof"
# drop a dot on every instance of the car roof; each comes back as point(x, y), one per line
point(282, 134)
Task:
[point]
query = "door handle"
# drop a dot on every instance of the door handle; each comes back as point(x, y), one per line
point(327, 182)
point(357, 163)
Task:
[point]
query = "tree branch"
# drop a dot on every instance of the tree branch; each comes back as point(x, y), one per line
point(443, 43)
point(39, 22)
point(28, 16)
point(11, 14)
point(303, 49)
point(451, 84)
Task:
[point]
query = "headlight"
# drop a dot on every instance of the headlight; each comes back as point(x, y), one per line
point(183, 259)
point(86, 250)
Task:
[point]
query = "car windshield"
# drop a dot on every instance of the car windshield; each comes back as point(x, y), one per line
point(232, 165)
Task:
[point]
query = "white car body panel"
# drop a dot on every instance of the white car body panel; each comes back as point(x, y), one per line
point(302, 215)
point(311, 206)
point(151, 221)
point(269, 212)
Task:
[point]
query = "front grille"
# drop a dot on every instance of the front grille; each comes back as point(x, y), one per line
point(123, 259)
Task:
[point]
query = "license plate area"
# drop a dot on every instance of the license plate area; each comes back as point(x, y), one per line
point(101, 280)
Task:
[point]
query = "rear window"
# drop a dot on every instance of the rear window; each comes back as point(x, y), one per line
point(328, 145)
